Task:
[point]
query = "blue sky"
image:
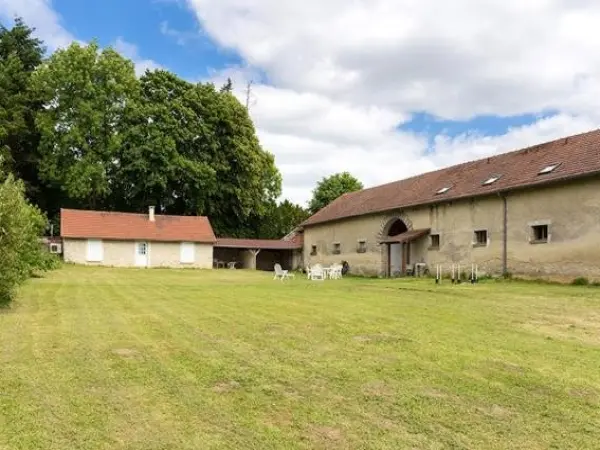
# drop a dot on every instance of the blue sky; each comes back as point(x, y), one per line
point(382, 89)
point(165, 31)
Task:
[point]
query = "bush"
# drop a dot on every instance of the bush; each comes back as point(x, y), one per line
point(21, 226)
point(580, 281)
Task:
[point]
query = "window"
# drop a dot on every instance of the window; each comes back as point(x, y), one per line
point(54, 248)
point(481, 238)
point(540, 233)
point(187, 253)
point(142, 248)
point(95, 251)
point(337, 248)
point(443, 190)
point(435, 241)
point(313, 250)
point(362, 247)
point(548, 169)
point(491, 180)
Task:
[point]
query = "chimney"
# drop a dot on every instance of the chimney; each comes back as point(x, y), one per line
point(151, 213)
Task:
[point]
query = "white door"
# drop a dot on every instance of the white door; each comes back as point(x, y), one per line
point(141, 254)
point(395, 259)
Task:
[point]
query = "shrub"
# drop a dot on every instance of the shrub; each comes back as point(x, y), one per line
point(21, 226)
point(580, 281)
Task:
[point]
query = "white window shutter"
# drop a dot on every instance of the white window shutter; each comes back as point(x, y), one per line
point(188, 253)
point(95, 250)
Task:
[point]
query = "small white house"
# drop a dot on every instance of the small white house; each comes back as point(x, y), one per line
point(136, 240)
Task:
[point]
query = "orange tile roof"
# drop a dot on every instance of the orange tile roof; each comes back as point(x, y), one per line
point(76, 223)
point(259, 244)
point(577, 155)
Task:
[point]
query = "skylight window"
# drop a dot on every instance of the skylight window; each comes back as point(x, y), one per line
point(491, 180)
point(443, 190)
point(548, 169)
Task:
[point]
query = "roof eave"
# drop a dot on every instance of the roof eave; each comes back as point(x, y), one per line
point(203, 241)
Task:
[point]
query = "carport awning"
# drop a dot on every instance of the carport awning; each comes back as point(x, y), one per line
point(258, 244)
point(408, 236)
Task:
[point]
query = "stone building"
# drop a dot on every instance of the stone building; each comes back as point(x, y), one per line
point(534, 212)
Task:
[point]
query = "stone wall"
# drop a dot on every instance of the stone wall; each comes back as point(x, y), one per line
point(571, 211)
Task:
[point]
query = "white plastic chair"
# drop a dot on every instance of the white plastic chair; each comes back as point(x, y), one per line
point(336, 272)
point(281, 274)
point(317, 273)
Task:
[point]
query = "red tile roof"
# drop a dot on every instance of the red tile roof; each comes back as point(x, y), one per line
point(577, 155)
point(259, 244)
point(76, 223)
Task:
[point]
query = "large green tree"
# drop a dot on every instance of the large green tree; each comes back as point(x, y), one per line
point(20, 55)
point(332, 187)
point(192, 149)
point(164, 158)
point(249, 181)
point(281, 219)
point(86, 93)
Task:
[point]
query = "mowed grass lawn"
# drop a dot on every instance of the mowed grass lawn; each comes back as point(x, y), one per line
point(164, 359)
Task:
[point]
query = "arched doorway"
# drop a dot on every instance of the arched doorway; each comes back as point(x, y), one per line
point(398, 253)
point(397, 227)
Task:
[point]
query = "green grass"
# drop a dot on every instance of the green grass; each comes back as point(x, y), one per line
point(164, 359)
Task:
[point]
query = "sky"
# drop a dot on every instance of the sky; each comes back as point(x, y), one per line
point(384, 89)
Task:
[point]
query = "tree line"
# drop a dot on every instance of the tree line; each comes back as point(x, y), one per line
point(81, 130)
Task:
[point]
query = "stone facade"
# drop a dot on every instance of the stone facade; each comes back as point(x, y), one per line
point(122, 254)
point(570, 211)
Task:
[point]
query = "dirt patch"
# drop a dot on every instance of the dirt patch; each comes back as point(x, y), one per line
point(386, 424)
point(588, 394)
point(377, 389)
point(495, 411)
point(582, 329)
point(292, 395)
point(126, 353)
point(506, 366)
point(226, 386)
point(326, 434)
point(382, 337)
point(434, 393)
point(283, 419)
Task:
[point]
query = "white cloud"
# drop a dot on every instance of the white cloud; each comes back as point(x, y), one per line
point(346, 74)
point(180, 37)
point(131, 51)
point(39, 15)
point(454, 59)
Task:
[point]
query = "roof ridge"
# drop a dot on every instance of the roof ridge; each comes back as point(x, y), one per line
point(474, 161)
point(577, 154)
point(126, 213)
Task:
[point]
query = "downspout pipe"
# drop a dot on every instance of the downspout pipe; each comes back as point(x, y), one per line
point(504, 234)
